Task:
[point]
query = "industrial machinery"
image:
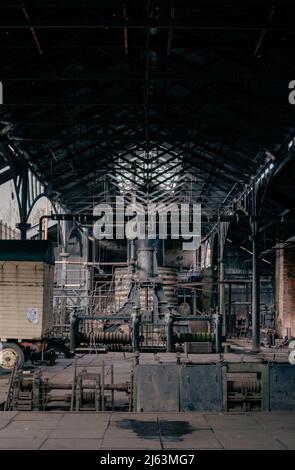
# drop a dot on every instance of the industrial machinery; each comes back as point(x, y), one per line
point(180, 386)
point(220, 386)
point(142, 324)
point(89, 391)
point(171, 334)
point(146, 321)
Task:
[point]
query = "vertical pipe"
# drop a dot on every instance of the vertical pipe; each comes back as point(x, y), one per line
point(74, 333)
point(169, 332)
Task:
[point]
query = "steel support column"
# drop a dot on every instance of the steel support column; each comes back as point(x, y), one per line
point(255, 276)
point(222, 295)
point(222, 231)
point(23, 199)
point(23, 228)
point(230, 320)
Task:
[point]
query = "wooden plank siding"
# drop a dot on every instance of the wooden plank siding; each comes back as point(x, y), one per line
point(25, 285)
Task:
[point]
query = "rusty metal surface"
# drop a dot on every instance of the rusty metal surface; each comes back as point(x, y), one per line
point(175, 388)
point(157, 387)
point(282, 387)
point(201, 388)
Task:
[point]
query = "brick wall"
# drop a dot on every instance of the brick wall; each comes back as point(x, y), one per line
point(285, 291)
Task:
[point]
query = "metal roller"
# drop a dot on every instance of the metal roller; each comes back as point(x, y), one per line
point(114, 337)
point(249, 386)
point(193, 337)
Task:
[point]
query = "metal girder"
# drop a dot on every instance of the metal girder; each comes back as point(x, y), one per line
point(173, 73)
point(92, 23)
point(97, 99)
point(230, 137)
point(161, 120)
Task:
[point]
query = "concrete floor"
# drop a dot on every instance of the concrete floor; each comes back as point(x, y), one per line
point(85, 431)
point(117, 430)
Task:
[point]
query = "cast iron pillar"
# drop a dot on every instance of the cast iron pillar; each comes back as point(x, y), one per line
point(222, 295)
point(23, 227)
point(222, 232)
point(23, 200)
point(255, 276)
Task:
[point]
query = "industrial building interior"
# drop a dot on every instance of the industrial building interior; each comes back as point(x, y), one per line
point(111, 108)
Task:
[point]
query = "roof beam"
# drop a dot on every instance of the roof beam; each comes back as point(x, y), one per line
point(92, 23)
